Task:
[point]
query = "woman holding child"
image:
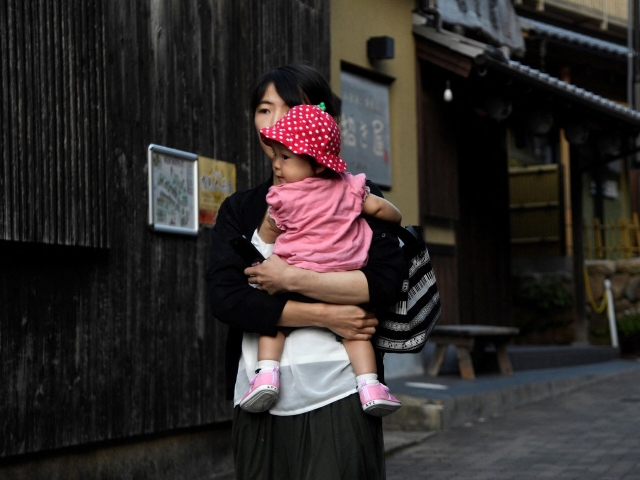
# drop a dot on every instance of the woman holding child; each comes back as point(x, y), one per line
point(299, 410)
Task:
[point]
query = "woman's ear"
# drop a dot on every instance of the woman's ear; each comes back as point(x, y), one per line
point(319, 168)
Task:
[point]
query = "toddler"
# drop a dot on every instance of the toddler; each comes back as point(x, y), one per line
point(314, 219)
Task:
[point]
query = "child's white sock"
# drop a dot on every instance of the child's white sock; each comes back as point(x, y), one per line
point(266, 365)
point(368, 378)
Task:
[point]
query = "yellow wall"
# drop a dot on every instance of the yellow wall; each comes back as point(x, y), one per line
point(353, 22)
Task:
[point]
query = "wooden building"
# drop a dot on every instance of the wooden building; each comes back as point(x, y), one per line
point(451, 159)
point(496, 99)
point(110, 359)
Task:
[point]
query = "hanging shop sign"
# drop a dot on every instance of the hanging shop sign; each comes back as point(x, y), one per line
point(364, 126)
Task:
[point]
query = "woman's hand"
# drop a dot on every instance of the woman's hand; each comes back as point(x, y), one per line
point(272, 275)
point(351, 322)
point(348, 321)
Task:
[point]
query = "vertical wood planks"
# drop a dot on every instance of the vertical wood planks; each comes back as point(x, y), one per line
point(54, 180)
point(105, 329)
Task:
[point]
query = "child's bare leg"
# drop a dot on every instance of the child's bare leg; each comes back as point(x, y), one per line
point(361, 356)
point(269, 352)
point(374, 396)
point(270, 348)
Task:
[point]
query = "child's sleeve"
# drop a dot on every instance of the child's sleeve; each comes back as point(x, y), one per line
point(357, 185)
point(277, 208)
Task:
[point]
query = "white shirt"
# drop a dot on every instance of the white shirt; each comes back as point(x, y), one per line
point(314, 369)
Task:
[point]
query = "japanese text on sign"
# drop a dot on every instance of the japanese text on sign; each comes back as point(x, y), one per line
point(217, 182)
point(365, 128)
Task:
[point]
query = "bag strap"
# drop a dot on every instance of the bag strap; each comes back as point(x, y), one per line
point(410, 235)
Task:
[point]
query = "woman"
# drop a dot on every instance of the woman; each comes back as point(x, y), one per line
point(318, 429)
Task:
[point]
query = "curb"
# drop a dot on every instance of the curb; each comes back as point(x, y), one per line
point(395, 440)
point(424, 414)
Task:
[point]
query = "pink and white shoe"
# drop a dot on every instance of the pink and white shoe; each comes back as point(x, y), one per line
point(263, 391)
point(376, 399)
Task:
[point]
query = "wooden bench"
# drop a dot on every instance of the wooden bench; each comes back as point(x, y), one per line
point(465, 338)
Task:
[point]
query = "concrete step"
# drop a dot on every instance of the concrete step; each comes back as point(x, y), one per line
point(444, 402)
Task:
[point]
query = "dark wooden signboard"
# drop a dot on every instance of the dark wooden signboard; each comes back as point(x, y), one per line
point(366, 140)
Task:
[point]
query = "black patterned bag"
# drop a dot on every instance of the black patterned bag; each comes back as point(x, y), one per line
point(405, 327)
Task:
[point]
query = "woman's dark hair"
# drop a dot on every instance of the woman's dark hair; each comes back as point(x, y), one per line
point(297, 85)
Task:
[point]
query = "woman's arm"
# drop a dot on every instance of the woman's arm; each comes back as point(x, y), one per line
point(348, 321)
point(244, 308)
point(247, 309)
point(276, 276)
point(376, 283)
point(233, 301)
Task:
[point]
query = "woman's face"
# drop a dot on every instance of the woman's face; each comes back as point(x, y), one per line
point(270, 109)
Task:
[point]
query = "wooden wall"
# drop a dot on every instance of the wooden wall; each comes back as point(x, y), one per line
point(464, 186)
point(484, 257)
point(439, 157)
point(439, 178)
point(53, 186)
point(114, 338)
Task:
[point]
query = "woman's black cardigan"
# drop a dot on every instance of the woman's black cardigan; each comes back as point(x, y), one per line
point(246, 309)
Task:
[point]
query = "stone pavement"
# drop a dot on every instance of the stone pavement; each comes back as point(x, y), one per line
point(448, 401)
point(590, 433)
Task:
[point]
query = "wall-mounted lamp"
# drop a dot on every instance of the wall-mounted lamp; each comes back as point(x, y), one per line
point(380, 48)
point(448, 94)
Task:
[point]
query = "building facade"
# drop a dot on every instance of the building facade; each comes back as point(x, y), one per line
point(112, 364)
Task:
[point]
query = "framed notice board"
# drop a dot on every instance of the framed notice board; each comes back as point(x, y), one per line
point(364, 125)
point(173, 190)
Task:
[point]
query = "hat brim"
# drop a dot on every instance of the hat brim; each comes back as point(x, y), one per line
point(301, 146)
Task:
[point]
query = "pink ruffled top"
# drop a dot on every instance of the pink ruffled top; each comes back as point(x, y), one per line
point(321, 223)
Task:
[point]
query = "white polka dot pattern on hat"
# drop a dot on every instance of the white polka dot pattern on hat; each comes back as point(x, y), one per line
point(299, 130)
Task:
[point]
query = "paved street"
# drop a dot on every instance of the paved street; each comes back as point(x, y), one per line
point(592, 433)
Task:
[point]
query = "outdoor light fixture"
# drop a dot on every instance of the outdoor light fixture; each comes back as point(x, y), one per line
point(448, 95)
point(380, 48)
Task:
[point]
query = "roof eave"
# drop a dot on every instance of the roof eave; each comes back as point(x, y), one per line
point(494, 58)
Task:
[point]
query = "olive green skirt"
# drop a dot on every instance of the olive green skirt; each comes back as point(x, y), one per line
point(333, 442)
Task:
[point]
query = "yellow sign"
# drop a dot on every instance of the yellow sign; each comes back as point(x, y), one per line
point(217, 180)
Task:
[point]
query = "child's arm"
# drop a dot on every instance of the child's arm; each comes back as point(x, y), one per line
point(268, 230)
point(381, 209)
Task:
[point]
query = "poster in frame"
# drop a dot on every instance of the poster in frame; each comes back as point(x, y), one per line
point(173, 190)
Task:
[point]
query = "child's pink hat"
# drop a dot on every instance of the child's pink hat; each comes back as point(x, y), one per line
point(307, 130)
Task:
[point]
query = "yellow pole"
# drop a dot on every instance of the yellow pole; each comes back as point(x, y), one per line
point(565, 162)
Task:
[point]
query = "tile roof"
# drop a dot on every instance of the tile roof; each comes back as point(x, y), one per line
point(494, 58)
point(576, 39)
point(576, 93)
